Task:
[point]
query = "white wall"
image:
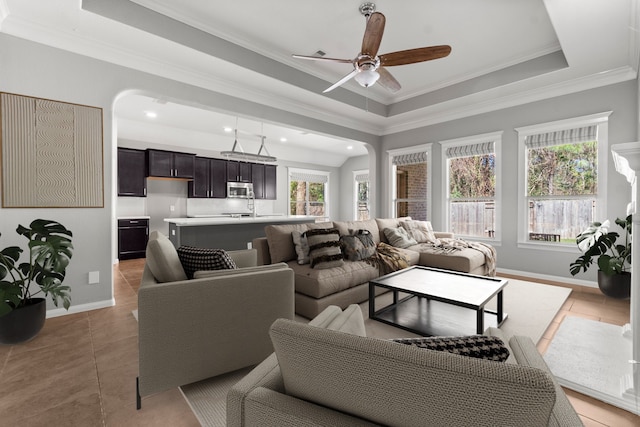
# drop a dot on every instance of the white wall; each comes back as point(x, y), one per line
point(347, 191)
point(623, 127)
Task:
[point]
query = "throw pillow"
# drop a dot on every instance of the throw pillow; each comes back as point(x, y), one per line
point(195, 259)
point(479, 346)
point(324, 248)
point(358, 245)
point(399, 238)
point(302, 246)
point(421, 231)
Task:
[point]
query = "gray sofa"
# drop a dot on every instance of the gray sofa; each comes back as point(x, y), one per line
point(218, 322)
point(316, 289)
point(327, 373)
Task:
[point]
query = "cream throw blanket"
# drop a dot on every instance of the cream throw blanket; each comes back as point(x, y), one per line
point(447, 245)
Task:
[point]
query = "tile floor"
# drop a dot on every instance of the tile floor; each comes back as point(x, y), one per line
point(80, 370)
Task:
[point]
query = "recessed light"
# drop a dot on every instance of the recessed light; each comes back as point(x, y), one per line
point(349, 147)
point(227, 129)
point(151, 114)
point(283, 139)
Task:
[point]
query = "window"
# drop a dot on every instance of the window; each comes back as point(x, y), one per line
point(410, 178)
point(472, 179)
point(564, 165)
point(308, 192)
point(361, 185)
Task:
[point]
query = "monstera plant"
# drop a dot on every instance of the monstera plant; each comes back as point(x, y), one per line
point(49, 251)
point(612, 254)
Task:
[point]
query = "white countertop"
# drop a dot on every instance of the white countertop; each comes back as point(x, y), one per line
point(227, 220)
point(134, 217)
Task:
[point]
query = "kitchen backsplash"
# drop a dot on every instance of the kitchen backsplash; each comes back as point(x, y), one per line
point(168, 199)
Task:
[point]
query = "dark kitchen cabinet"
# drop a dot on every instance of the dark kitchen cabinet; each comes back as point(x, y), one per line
point(170, 164)
point(210, 179)
point(238, 171)
point(264, 181)
point(270, 182)
point(133, 235)
point(132, 180)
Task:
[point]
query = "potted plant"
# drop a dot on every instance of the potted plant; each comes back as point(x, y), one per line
point(613, 259)
point(49, 251)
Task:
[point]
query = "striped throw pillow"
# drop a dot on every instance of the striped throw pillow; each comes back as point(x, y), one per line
point(324, 248)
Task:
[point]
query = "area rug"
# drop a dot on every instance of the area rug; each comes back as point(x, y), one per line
point(531, 308)
point(592, 358)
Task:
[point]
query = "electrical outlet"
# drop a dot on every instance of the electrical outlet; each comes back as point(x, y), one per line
point(172, 208)
point(94, 277)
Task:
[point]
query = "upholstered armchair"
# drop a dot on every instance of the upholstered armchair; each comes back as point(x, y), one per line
point(217, 322)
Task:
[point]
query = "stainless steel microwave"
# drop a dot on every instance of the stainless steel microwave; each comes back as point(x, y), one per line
point(239, 190)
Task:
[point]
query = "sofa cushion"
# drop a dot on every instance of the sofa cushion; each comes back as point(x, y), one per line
point(162, 259)
point(421, 231)
point(480, 346)
point(318, 283)
point(346, 227)
point(281, 247)
point(324, 248)
point(194, 259)
point(464, 260)
point(350, 321)
point(302, 246)
point(379, 380)
point(389, 223)
point(358, 246)
point(399, 238)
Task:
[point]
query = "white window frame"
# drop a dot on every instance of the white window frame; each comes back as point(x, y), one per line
point(601, 120)
point(327, 174)
point(355, 192)
point(496, 138)
point(391, 169)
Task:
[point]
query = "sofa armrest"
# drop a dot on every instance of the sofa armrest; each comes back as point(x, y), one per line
point(262, 246)
point(244, 257)
point(526, 353)
point(265, 407)
point(214, 273)
point(195, 329)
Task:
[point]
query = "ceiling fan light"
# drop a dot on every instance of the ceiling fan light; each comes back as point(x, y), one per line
point(367, 77)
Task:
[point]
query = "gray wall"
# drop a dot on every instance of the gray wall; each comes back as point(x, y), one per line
point(74, 78)
point(347, 190)
point(78, 79)
point(621, 99)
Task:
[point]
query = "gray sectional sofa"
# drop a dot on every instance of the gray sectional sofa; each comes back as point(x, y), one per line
point(316, 289)
point(328, 372)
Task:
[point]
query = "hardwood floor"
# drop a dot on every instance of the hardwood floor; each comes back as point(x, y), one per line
point(80, 370)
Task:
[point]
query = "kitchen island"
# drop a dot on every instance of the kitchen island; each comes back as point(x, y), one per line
point(225, 231)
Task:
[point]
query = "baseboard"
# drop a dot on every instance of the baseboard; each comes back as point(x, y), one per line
point(56, 312)
point(548, 278)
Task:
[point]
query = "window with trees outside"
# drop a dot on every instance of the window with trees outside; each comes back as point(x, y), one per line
point(361, 185)
point(563, 172)
point(472, 182)
point(308, 192)
point(410, 177)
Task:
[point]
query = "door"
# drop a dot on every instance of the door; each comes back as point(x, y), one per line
point(257, 174)
point(218, 178)
point(199, 187)
point(160, 163)
point(183, 165)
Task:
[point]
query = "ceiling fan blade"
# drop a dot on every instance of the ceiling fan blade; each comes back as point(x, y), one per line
point(387, 80)
point(411, 56)
point(341, 81)
point(373, 34)
point(320, 58)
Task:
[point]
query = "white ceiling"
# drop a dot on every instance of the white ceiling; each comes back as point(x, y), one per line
point(504, 53)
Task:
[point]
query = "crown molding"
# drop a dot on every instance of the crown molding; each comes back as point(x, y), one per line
point(491, 100)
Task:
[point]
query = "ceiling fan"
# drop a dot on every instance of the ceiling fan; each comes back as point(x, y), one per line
point(368, 66)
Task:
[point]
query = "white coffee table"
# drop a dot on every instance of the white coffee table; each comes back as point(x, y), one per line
point(431, 301)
